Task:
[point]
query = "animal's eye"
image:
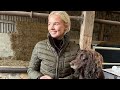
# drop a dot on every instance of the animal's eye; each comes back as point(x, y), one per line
point(83, 57)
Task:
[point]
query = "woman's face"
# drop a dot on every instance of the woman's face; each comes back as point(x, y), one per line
point(56, 26)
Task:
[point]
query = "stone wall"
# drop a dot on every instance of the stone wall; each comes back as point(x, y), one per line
point(5, 46)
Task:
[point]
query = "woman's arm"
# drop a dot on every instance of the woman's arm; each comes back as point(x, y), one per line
point(34, 65)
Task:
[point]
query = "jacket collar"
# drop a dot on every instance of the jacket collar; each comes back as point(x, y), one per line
point(52, 44)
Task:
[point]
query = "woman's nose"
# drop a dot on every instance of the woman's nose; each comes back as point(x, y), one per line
point(51, 27)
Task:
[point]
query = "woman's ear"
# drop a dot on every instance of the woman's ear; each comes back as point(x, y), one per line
point(66, 26)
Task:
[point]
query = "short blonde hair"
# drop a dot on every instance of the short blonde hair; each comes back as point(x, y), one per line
point(64, 16)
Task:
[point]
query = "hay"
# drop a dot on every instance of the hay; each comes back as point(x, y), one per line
point(9, 62)
point(25, 38)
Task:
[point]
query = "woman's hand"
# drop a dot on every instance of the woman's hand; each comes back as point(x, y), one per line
point(45, 77)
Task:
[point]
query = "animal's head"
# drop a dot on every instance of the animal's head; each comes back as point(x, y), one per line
point(88, 63)
point(80, 60)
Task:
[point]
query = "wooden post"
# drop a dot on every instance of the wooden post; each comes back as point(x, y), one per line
point(86, 30)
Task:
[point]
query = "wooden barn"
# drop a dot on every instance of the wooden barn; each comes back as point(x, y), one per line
point(21, 30)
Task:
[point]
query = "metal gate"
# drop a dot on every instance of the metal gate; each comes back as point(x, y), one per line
point(7, 26)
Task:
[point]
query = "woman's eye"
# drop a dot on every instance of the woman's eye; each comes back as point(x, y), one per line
point(56, 23)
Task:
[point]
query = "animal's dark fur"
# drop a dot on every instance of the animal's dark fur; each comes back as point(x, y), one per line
point(88, 65)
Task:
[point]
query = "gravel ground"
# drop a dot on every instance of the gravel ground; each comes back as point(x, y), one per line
point(14, 63)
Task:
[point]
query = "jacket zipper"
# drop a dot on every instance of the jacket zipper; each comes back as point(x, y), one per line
point(57, 64)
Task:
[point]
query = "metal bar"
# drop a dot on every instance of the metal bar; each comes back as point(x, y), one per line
point(5, 21)
point(111, 63)
point(12, 70)
point(106, 48)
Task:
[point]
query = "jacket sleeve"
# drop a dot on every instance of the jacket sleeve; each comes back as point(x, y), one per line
point(34, 65)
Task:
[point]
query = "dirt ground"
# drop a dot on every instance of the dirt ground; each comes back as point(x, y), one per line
point(14, 63)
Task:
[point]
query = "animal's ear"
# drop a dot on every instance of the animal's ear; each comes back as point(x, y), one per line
point(100, 74)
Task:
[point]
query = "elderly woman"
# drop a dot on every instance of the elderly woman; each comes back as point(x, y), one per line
point(51, 57)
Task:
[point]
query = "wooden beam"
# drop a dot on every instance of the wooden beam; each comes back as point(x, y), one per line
point(34, 14)
point(86, 29)
point(107, 22)
point(23, 13)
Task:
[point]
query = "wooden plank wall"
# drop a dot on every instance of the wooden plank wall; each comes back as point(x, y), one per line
point(106, 32)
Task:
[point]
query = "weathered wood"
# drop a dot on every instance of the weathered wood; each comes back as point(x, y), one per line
point(107, 22)
point(34, 14)
point(86, 30)
point(23, 13)
point(101, 33)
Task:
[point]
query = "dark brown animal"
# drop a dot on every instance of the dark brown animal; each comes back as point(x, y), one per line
point(88, 65)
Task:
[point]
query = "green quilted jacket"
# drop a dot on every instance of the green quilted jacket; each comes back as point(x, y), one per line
point(46, 61)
